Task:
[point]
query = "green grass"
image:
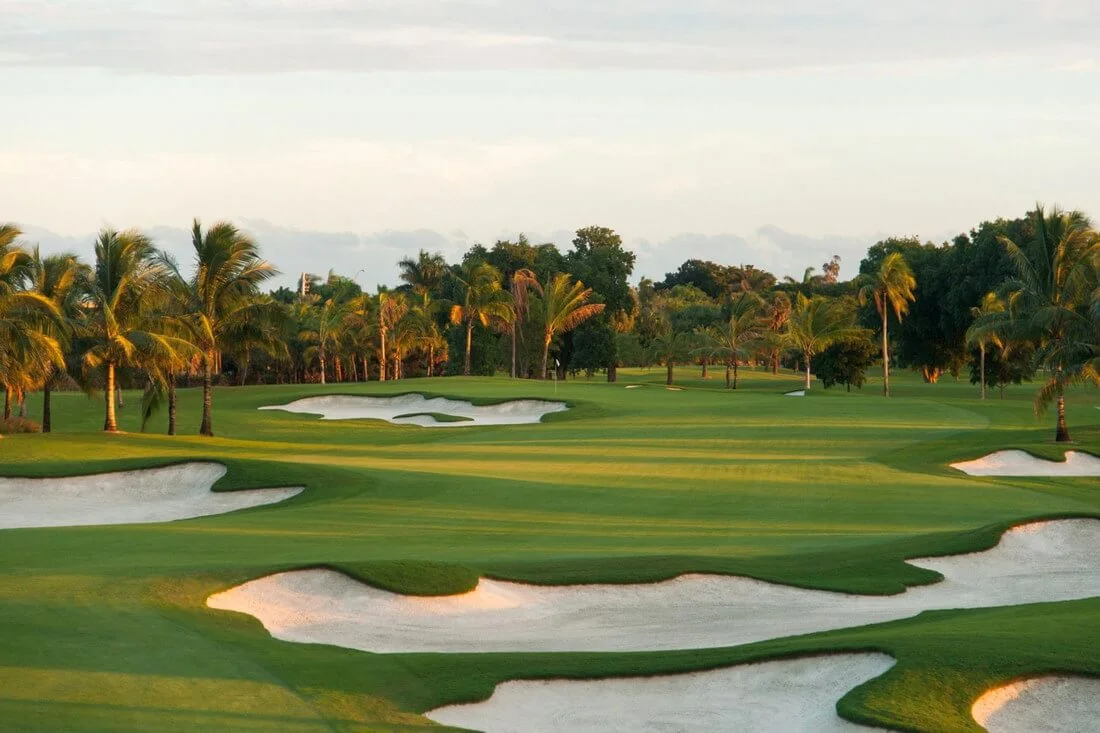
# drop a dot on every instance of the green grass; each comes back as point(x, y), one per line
point(104, 628)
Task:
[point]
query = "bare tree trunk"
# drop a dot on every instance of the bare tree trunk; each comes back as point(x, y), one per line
point(171, 404)
point(110, 423)
point(47, 408)
point(706, 367)
point(366, 368)
point(513, 350)
point(7, 403)
point(612, 372)
point(207, 399)
point(668, 374)
point(735, 373)
point(775, 362)
point(22, 404)
point(323, 365)
point(727, 374)
point(982, 368)
point(121, 400)
point(382, 356)
point(1062, 436)
point(806, 355)
point(431, 362)
point(885, 357)
point(469, 340)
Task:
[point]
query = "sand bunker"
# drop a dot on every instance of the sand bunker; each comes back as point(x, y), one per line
point(1041, 705)
point(127, 497)
point(415, 409)
point(1019, 463)
point(1047, 561)
point(793, 696)
point(796, 393)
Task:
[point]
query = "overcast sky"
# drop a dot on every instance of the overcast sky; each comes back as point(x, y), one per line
point(347, 134)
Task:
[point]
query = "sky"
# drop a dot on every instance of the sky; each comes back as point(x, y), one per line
point(345, 135)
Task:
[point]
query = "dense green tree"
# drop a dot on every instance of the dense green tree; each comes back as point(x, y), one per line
point(817, 323)
point(566, 307)
point(731, 343)
point(846, 362)
point(482, 300)
point(599, 260)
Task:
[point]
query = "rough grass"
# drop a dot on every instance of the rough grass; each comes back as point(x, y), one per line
point(105, 628)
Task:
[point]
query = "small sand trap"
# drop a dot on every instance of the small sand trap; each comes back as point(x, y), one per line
point(128, 497)
point(1041, 705)
point(1020, 463)
point(1039, 562)
point(796, 393)
point(633, 386)
point(391, 409)
point(792, 696)
point(675, 389)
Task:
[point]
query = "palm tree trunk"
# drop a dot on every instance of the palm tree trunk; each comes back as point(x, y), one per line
point(469, 340)
point(110, 423)
point(706, 366)
point(323, 365)
point(727, 374)
point(1062, 436)
point(207, 399)
point(668, 374)
point(7, 403)
point(121, 399)
point(171, 404)
point(735, 373)
point(382, 356)
point(366, 368)
point(981, 366)
point(47, 411)
point(513, 350)
point(22, 404)
point(806, 355)
point(612, 372)
point(545, 357)
point(885, 358)
point(431, 361)
point(775, 362)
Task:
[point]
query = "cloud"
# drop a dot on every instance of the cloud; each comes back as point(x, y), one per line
point(188, 37)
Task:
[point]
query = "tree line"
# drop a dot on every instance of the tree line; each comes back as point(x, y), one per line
point(1005, 302)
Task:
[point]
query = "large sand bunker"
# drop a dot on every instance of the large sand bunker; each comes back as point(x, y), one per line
point(1046, 561)
point(793, 696)
point(1041, 705)
point(415, 409)
point(1020, 463)
point(127, 497)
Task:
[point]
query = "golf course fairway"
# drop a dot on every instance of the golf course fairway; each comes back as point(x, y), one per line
point(107, 628)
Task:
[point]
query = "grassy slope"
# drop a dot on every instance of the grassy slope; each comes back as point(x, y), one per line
point(105, 629)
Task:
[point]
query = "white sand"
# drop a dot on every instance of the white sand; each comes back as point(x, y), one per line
point(790, 696)
point(796, 393)
point(343, 407)
point(1019, 463)
point(1048, 561)
point(1041, 705)
point(128, 497)
point(633, 386)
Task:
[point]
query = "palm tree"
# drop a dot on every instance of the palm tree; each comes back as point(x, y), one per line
point(222, 299)
point(1053, 299)
point(62, 279)
point(361, 329)
point(982, 334)
point(425, 274)
point(729, 342)
point(325, 331)
point(817, 323)
point(391, 309)
point(521, 281)
point(567, 307)
point(119, 319)
point(892, 290)
point(483, 301)
point(425, 334)
point(778, 312)
point(672, 347)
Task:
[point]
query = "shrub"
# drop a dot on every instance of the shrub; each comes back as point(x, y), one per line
point(13, 425)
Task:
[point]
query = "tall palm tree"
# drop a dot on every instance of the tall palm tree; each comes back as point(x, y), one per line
point(63, 279)
point(1053, 298)
point(778, 312)
point(483, 301)
point(222, 298)
point(425, 274)
point(120, 321)
point(983, 332)
point(522, 281)
point(325, 331)
point(426, 335)
point(391, 309)
point(361, 329)
point(891, 288)
point(729, 343)
point(817, 323)
point(567, 307)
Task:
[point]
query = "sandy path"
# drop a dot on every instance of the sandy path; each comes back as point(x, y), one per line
point(1041, 705)
point(1040, 562)
point(126, 497)
point(339, 407)
point(1020, 463)
point(791, 696)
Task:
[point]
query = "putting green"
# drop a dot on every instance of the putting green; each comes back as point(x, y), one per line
point(105, 628)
